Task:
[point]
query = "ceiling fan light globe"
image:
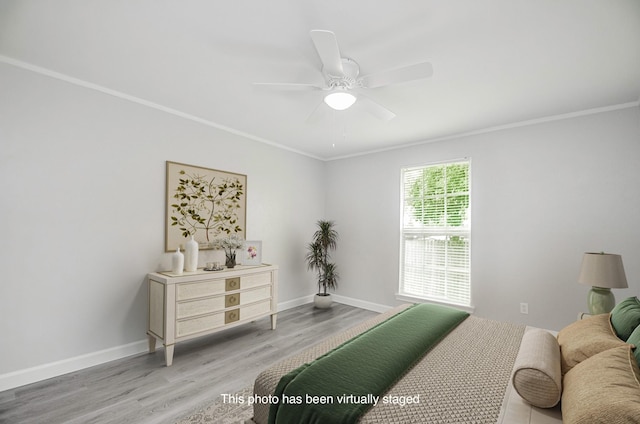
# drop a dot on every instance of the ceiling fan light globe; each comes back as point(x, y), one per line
point(340, 100)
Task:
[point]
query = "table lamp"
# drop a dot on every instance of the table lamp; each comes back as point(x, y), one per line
point(603, 272)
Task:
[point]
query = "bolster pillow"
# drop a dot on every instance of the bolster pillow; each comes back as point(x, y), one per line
point(537, 375)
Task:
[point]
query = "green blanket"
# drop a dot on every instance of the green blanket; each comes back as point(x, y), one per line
point(343, 384)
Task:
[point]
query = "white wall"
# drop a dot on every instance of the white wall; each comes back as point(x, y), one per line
point(541, 196)
point(82, 215)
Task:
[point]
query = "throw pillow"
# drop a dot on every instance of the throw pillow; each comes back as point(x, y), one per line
point(603, 389)
point(585, 338)
point(634, 339)
point(625, 317)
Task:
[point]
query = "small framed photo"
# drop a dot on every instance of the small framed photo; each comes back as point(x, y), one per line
point(251, 253)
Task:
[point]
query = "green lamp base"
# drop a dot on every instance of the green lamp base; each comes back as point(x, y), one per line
point(600, 300)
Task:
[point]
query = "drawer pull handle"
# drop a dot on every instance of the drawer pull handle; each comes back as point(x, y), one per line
point(232, 283)
point(232, 300)
point(231, 316)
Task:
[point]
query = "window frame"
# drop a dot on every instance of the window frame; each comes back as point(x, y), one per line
point(426, 230)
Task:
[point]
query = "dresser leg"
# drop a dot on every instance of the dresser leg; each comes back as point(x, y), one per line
point(168, 354)
point(152, 343)
point(273, 321)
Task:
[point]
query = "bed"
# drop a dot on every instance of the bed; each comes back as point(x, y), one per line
point(483, 371)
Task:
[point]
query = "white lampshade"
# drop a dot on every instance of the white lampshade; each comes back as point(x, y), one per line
point(603, 270)
point(340, 100)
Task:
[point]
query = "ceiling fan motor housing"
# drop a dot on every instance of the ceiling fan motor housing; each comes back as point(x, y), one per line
point(349, 79)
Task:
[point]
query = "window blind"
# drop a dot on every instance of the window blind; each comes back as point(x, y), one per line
point(436, 233)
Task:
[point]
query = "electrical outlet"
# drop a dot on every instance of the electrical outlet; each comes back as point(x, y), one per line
point(524, 308)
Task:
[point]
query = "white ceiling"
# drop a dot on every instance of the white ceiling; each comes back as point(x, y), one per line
point(496, 62)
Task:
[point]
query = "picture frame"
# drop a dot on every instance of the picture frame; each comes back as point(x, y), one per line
point(251, 253)
point(203, 202)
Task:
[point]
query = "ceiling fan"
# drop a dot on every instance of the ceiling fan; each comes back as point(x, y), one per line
point(343, 83)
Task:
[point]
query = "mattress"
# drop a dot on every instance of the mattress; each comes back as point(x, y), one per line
point(464, 379)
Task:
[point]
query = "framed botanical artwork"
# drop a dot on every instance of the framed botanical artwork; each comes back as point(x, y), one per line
point(205, 203)
point(251, 253)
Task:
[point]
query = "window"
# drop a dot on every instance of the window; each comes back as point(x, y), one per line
point(435, 235)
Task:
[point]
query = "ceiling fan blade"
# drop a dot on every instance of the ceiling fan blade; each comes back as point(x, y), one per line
point(394, 76)
point(327, 48)
point(318, 114)
point(287, 86)
point(374, 108)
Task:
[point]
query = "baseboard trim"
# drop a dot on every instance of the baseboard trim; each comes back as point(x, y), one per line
point(283, 306)
point(370, 306)
point(54, 369)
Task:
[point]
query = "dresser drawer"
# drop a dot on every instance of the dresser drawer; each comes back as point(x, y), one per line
point(199, 307)
point(190, 308)
point(199, 289)
point(197, 325)
point(255, 309)
point(186, 291)
point(254, 295)
point(255, 280)
point(186, 327)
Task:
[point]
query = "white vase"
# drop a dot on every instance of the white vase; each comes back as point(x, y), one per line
point(191, 255)
point(177, 262)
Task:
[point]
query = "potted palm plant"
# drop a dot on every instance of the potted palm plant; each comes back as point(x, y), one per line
point(318, 258)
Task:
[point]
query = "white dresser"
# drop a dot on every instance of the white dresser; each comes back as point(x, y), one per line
point(198, 303)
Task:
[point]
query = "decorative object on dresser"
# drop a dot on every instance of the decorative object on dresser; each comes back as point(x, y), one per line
point(195, 304)
point(191, 255)
point(318, 255)
point(251, 253)
point(602, 271)
point(229, 244)
point(177, 262)
point(204, 203)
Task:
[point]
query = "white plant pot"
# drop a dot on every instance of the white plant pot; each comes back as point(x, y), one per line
point(322, 302)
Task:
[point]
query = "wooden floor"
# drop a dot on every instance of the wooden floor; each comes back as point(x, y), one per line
point(140, 389)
